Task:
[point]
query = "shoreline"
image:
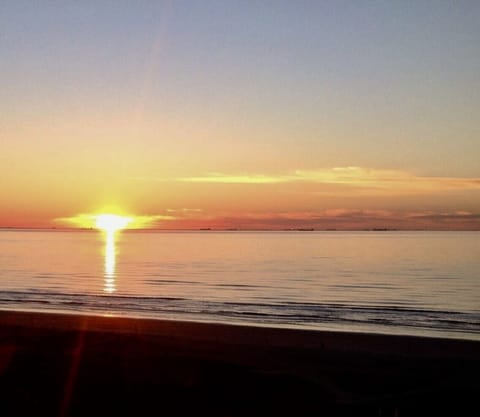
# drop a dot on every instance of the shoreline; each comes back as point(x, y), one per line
point(75, 365)
point(245, 334)
point(179, 317)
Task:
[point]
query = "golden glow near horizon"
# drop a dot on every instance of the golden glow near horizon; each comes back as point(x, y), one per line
point(112, 220)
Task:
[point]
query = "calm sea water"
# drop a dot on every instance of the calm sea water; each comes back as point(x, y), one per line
point(388, 282)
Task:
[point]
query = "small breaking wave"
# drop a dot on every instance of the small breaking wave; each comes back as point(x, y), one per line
point(380, 318)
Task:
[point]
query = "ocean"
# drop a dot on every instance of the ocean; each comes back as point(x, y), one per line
point(413, 283)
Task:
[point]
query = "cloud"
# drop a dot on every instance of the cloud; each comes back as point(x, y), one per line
point(184, 211)
point(446, 216)
point(236, 179)
point(339, 218)
point(371, 180)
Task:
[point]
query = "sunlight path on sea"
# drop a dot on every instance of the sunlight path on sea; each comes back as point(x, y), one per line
point(110, 255)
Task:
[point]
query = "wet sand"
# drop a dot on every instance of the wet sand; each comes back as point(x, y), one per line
point(68, 365)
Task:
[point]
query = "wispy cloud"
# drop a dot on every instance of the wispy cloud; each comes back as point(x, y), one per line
point(348, 219)
point(184, 211)
point(237, 179)
point(375, 180)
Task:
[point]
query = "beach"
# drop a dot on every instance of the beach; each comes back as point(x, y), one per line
point(74, 365)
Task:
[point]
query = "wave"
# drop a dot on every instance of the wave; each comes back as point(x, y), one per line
point(296, 314)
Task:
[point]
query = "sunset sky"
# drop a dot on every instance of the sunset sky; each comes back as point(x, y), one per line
point(245, 114)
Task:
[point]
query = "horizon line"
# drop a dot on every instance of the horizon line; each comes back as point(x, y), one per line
point(234, 229)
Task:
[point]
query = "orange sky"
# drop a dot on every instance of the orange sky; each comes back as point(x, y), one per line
point(344, 198)
point(233, 115)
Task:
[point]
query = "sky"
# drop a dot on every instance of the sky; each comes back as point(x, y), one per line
point(241, 114)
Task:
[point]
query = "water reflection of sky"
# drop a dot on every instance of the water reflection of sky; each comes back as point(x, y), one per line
point(306, 273)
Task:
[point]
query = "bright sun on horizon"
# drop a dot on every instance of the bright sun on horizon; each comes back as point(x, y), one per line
point(111, 222)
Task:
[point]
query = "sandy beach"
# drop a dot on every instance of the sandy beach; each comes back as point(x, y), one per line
point(58, 364)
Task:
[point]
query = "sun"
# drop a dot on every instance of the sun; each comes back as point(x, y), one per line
point(111, 222)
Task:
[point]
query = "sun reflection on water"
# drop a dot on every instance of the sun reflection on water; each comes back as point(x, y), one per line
point(110, 259)
point(110, 224)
